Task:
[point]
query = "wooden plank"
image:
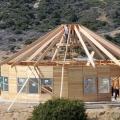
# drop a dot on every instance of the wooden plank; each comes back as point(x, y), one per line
point(92, 54)
point(29, 46)
point(36, 46)
point(100, 46)
point(96, 50)
point(45, 52)
point(57, 82)
point(36, 50)
point(62, 74)
point(112, 47)
point(45, 45)
point(85, 47)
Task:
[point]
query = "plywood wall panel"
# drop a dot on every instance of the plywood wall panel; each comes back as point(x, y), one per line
point(57, 72)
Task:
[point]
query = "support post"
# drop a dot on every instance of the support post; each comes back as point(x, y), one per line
point(20, 89)
point(104, 50)
point(62, 75)
point(18, 94)
point(85, 47)
point(62, 78)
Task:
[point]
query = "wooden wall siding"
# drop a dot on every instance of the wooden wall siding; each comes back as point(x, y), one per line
point(5, 70)
point(114, 71)
point(12, 80)
point(75, 83)
point(89, 71)
point(21, 71)
point(103, 71)
point(12, 75)
point(104, 97)
point(73, 86)
point(47, 71)
point(57, 82)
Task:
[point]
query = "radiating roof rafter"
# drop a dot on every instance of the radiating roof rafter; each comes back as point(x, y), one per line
point(67, 43)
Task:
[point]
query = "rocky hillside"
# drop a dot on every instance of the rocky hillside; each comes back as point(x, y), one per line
point(22, 21)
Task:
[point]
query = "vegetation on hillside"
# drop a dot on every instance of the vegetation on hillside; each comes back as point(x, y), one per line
point(22, 15)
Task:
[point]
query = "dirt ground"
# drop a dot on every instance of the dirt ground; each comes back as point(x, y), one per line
point(23, 112)
point(18, 112)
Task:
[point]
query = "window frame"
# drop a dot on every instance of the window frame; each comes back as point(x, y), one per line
point(38, 86)
point(93, 89)
point(4, 86)
point(108, 85)
point(24, 91)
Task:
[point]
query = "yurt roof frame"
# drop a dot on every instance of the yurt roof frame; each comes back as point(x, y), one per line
point(41, 47)
point(44, 44)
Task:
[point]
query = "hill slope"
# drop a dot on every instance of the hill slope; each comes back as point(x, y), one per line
point(23, 21)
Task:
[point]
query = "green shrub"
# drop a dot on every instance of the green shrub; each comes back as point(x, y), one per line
point(60, 109)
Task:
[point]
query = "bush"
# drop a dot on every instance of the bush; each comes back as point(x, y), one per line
point(60, 109)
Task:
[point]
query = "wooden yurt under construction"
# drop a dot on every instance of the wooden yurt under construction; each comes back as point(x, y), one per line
point(70, 61)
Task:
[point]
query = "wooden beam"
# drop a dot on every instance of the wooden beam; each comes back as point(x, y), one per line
point(46, 90)
point(45, 45)
point(92, 54)
point(99, 46)
point(36, 46)
point(84, 46)
point(62, 82)
point(62, 75)
point(36, 50)
point(96, 49)
point(29, 46)
point(12, 103)
point(40, 72)
point(109, 45)
point(46, 51)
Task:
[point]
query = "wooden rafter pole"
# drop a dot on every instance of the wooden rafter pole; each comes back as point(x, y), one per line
point(92, 54)
point(36, 50)
point(46, 51)
point(84, 46)
point(12, 103)
point(62, 75)
point(105, 51)
point(96, 49)
point(109, 45)
point(45, 45)
point(29, 46)
point(32, 49)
